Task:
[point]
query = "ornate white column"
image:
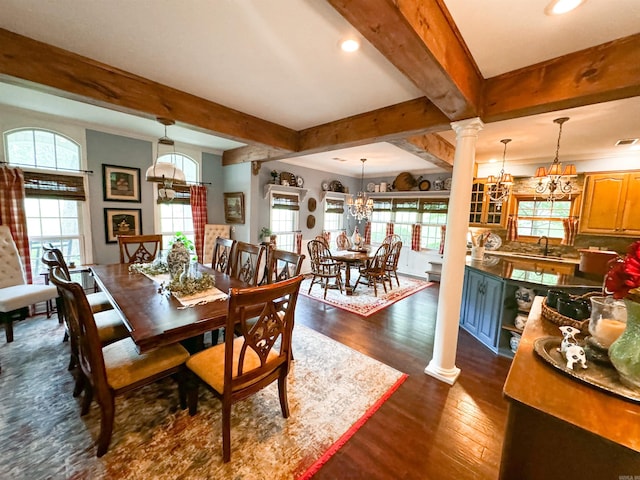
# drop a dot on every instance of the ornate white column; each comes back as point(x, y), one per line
point(443, 364)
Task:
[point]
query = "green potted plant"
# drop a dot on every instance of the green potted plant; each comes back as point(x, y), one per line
point(265, 234)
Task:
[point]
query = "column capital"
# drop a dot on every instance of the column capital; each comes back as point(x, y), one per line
point(471, 126)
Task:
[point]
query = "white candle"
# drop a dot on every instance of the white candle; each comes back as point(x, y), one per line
point(607, 331)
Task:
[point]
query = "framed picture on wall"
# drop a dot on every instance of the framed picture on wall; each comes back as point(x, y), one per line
point(234, 207)
point(120, 184)
point(122, 222)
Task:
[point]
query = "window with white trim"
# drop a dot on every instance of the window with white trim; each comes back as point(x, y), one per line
point(538, 218)
point(431, 214)
point(333, 216)
point(285, 213)
point(176, 216)
point(54, 201)
point(434, 217)
point(381, 215)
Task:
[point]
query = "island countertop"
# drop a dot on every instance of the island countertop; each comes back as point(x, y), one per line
point(560, 426)
point(533, 272)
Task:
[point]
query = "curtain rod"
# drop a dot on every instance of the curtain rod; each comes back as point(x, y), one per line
point(198, 183)
point(34, 167)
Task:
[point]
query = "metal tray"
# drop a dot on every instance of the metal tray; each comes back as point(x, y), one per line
point(600, 376)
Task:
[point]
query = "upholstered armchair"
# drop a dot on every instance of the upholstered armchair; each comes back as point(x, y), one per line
point(16, 295)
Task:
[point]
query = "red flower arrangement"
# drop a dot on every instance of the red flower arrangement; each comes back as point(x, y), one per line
point(623, 278)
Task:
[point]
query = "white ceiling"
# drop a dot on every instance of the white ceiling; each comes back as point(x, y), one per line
point(279, 60)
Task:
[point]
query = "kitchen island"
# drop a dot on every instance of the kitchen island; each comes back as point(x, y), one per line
point(489, 305)
point(559, 427)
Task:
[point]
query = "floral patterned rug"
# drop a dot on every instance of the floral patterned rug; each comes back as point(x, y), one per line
point(363, 302)
point(332, 390)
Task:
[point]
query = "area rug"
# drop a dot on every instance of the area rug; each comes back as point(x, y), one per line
point(332, 391)
point(363, 302)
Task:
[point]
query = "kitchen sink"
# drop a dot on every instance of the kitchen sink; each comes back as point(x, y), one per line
point(535, 256)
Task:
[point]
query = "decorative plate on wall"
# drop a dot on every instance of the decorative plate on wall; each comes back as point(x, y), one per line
point(311, 221)
point(424, 185)
point(336, 186)
point(311, 204)
point(290, 178)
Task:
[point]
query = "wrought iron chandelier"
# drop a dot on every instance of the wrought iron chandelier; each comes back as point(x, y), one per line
point(362, 206)
point(553, 182)
point(498, 189)
point(165, 173)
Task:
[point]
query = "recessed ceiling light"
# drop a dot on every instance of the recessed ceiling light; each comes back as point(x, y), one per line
point(350, 45)
point(626, 141)
point(558, 7)
point(493, 160)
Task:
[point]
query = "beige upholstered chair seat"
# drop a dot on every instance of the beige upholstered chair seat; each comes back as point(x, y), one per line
point(15, 293)
point(125, 366)
point(211, 232)
point(99, 302)
point(19, 296)
point(209, 364)
point(110, 326)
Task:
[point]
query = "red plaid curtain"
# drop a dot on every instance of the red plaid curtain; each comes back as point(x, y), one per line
point(570, 226)
point(443, 234)
point(367, 233)
point(389, 229)
point(12, 213)
point(512, 228)
point(298, 241)
point(198, 195)
point(415, 237)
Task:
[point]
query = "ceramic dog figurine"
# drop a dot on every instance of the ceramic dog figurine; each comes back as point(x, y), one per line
point(568, 338)
point(575, 354)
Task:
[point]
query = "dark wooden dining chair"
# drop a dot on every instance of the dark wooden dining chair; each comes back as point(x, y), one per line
point(374, 269)
point(116, 368)
point(323, 266)
point(247, 263)
point(245, 364)
point(391, 265)
point(223, 251)
point(109, 324)
point(283, 265)
point(53, 257)
point(139, 248)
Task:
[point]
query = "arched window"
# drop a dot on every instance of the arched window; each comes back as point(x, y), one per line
point(54, 200)
point(175, 216)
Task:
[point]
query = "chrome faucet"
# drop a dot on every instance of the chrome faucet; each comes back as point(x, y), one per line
point(546, 244)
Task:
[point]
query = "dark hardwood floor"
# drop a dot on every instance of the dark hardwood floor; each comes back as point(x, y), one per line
point(427, 429)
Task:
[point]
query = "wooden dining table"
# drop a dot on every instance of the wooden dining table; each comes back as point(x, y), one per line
point(349, 258)
point(153, 317)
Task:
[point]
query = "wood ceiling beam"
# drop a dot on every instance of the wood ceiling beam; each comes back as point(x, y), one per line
point(389, 123)
point(395, 122)
point(606, 72)
point(431, 147)
point(421, 40)
point(54, 70)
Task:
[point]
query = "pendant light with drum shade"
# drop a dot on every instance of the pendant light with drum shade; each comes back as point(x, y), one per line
point(362, 206)
point(164, 173)
point(499, 188)
point(554, 183)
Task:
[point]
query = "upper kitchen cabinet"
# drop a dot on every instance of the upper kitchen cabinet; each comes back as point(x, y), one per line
point(484, 212)
point(608, 204)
